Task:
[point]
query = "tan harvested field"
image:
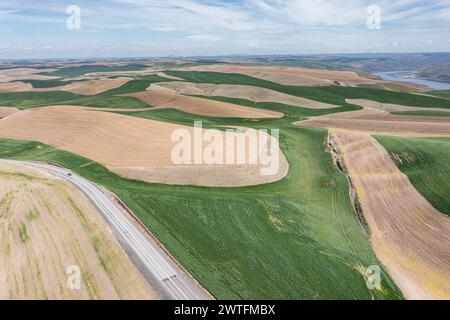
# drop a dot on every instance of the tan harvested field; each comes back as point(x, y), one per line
point(399, 86)
point(90, 87)
point(146, 71)
point(289, 75)
point(387, 107)
point(15, 86)
point(109, 74)
point(7, 111)
point(409, 236)
point(163, 98)
point(204, 175)
point(14, 74)
point(133, 147)
point(47, 226)
point(375, 121)
point(252, 93)
point(164, 75)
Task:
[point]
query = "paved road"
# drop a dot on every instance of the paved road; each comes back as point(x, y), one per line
point(158, 267)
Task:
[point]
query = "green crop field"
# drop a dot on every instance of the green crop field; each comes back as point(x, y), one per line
point(107, 99)
point(137, 85)
point(47, 83)
point(26, 100)
point(112, 99)
point(426, 162)
point(329, 94)
point(442, 94)
point(298, 238)
point(104, 101)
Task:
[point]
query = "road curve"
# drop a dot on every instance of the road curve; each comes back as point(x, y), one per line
point(157, 266)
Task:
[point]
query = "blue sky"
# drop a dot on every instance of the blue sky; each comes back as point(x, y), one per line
point(136, 28)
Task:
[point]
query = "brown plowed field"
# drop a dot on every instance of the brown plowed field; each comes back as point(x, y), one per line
point(163, 98)
point(252, 93)
point(90, 87)
point(47, 226)
point(409, 236)
point(289, 75)
point(15, 86)
point(14, 74)
point(133, 147)
point(374, 121)
point(387, 107)
point(7, 111)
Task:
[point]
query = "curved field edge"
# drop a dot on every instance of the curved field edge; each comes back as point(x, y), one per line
point(46, 225)
point(76, 71)
point(441, 94)
point(28, 99)
point(327, 94)
point(295, 239)
point(48, 83)
point(422, 113)
point(114, 98)
point(426, 163)
point(108, 99)
point(317, 248)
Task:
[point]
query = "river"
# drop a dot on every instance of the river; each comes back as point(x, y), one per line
point(393, 76)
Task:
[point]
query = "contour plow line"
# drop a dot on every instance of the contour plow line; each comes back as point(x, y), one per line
point(410, 237)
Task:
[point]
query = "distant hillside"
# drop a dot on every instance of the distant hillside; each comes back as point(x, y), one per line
point(368, 63)
point(436, 73)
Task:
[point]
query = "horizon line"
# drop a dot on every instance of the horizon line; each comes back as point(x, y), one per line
point(224, 56)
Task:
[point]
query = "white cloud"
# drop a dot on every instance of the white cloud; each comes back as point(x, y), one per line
point(325, 12)
point(165, 29)
point(205, 37)
point(280, 26)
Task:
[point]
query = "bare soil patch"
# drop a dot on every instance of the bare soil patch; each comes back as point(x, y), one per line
point(46, 226)
point(409, 236)
point(7, 111)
